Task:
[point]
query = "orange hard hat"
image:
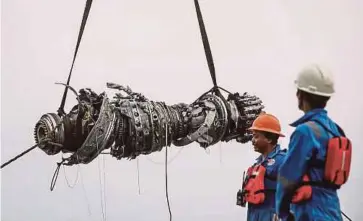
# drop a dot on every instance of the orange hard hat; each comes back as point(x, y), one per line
point(267, 122)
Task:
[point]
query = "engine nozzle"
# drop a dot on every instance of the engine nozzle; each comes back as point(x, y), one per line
point(50, 128)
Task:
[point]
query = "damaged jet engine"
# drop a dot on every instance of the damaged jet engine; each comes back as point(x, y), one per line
point(129, 124)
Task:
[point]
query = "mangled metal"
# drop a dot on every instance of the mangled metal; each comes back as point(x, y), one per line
point(129, 124)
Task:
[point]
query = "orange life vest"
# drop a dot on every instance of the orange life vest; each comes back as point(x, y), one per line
point(304, 192)
point(253, 188)
point(336, 165)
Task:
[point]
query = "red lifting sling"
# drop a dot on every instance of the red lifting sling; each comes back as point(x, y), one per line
point(336, 166)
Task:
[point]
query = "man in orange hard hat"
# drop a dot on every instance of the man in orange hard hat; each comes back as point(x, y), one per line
point(259, 184)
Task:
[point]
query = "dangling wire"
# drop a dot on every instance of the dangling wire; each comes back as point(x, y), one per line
point(65, 176)
point(85, 194)
point(138, 175)
point(104, 184)
point(220, 153)
point(170, 159)
point(102, 193)
point(166, 173)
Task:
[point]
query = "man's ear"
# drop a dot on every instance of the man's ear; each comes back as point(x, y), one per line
point(269, 140)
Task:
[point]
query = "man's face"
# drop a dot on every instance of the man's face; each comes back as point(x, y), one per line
point(259, 141)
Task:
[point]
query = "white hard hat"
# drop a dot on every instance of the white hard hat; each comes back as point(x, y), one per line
point(314, 79)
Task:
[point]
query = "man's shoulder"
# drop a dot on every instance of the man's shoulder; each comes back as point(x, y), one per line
point(304, 129)
point(280, 155)
point(312, 127)
point(304, 126)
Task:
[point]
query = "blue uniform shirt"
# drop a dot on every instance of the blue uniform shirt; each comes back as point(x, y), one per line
point(324, 205)
point(266, 210)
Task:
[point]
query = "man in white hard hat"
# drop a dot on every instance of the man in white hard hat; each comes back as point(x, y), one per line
point(315, 199)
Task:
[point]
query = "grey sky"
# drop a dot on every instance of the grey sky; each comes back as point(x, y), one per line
point(258, 47)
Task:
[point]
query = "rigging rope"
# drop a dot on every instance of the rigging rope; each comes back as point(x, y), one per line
point(45, 140)
point(346, 216)
point(55, 175)
point(19, 155)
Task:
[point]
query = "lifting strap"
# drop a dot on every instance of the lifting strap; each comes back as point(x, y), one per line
point(208, 52)
point(83, 24)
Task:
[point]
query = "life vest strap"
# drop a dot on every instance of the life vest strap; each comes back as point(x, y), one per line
point(315, 163)
point(260, 191)
point(269, 177)
point(330, 131)
point(266, 191)
point(323, 184)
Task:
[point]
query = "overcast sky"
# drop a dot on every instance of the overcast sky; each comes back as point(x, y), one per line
point(155, 47)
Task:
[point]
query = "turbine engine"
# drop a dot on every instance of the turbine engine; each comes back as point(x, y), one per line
point(129, 124)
